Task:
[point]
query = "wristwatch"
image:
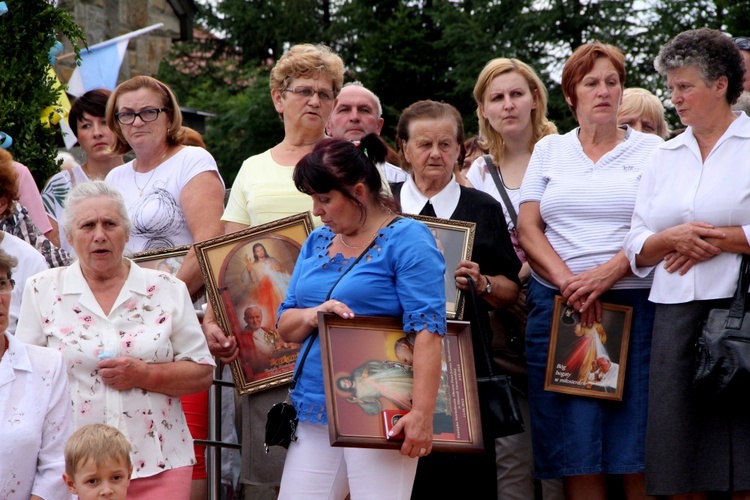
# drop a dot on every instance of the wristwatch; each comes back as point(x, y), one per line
point(488, 288)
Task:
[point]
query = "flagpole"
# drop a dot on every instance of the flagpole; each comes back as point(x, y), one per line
point(126, 36)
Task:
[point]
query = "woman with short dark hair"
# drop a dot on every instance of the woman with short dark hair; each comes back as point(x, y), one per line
point(690, 229)
point(89, 125)
point(402, 270)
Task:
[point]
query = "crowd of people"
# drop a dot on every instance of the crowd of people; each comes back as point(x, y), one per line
point(105, 366)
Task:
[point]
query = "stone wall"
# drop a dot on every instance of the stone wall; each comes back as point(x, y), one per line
point(105, 19)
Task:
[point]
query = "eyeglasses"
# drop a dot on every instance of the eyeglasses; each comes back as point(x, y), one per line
point(146, 115)
point(6, 286)
point(308, 92)
point(742, 42)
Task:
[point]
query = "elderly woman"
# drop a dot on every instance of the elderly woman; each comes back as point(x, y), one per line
point(642, 111)
point(173, 192)
point(690, 227)
point(89, 125)
point(576, 202)
point(398, 254)
point(512, 113)
point(130, 338)
point(304, 84)
point(430, 137)
point(35, 410)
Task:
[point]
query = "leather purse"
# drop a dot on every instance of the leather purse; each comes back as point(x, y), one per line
point(501, 414)
point(722, 362)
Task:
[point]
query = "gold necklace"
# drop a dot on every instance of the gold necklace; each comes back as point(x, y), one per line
point(135, 180)
point(354, 247)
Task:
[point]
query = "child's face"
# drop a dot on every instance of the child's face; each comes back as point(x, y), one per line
point(108, 480)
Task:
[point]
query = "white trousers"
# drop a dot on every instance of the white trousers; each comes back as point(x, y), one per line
point(316, 470)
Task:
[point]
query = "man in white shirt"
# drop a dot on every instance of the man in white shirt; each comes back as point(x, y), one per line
point(356, 113)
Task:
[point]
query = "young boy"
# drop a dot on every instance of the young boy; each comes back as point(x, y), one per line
point(97, 462)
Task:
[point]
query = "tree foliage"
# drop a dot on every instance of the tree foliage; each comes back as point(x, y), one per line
point(406, 50)
point(28, 32)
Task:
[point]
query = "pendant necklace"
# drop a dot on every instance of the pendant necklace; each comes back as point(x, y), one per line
point(135, 180)
point(354, 247)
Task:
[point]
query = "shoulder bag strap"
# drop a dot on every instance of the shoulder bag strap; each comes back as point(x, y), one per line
point(315, 332)
point(501, 189)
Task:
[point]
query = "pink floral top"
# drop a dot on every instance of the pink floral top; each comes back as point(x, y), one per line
point(153, 320)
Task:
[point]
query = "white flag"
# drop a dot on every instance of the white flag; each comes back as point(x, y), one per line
point(100, 64)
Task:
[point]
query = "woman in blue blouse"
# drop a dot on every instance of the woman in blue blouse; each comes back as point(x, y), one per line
point(402, 273)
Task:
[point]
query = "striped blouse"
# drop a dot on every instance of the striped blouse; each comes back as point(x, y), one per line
point(587, 206)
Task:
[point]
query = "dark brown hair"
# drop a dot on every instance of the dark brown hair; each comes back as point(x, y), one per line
point(338, 164)
point(93, 102)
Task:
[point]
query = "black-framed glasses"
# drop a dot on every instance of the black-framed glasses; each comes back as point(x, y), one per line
point(308, 92)
point(6, 286)
point(742, 42)
point(146, 115)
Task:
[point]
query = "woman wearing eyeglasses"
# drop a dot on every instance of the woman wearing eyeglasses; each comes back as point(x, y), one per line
point(174, 193)
point(304, 83)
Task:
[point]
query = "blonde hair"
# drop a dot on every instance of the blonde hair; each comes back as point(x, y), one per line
point(307, 61)
point(97, 442)
point(640, 102)
point(175, 133)
point(491, 139)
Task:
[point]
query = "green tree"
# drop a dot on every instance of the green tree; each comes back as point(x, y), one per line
point(246, 122)
point(408, 50)
point(28, 32)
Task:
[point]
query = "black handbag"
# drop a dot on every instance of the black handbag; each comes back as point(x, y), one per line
point(501, 414)
point(281, 421)
point(722, 364)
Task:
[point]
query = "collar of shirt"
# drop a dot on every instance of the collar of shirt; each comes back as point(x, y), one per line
point(444, 203)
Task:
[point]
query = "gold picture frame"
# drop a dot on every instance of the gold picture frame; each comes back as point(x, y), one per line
point(588, 361)
point(455, 240)
point(246, 275)
point(364, 347)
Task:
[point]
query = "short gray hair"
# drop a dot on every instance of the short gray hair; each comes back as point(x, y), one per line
point(711, 51)
point(88, 190)
point(743, 103)
point(357, 83)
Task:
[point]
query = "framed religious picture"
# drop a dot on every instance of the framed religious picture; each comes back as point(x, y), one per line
point(455, 240)
point(247, 273)
point(367, 372)
point(168, 260)
point(588, 361)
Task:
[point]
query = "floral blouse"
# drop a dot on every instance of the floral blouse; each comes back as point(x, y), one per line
point(153, 320)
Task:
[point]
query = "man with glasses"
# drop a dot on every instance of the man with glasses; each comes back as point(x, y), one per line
point(356, 113)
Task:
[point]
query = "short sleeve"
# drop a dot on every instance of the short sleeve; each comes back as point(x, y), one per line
point(420, 275)
point(197, 160)
point(237, 206)
point(477, 173)
point(187, 338)
point(534, 181)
